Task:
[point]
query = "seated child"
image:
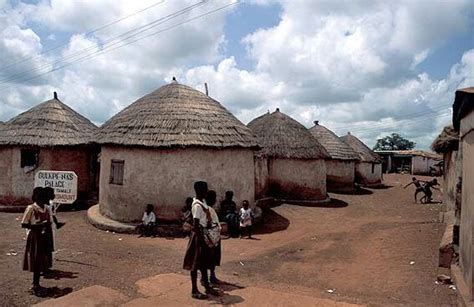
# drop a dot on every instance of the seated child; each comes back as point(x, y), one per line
point(246, 217)
point(147, 227)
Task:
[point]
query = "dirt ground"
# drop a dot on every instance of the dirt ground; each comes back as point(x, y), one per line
point(362, 247)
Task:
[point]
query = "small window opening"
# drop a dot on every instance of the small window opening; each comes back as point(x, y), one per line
point(373, 168)
point(29, 158)
point(116, 171)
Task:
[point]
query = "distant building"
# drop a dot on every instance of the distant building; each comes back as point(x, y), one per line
point(341, 162)
point(415, 162)
point(463, 122)
point(368, 170)
point(154, 150)
point(291, 164)
point(49, 136)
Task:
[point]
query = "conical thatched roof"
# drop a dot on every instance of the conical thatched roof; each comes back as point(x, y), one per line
point(51, 123)
point(280, 136)
point(337, 149)
point(176, 115)
point(364, 152)
point(448, 140)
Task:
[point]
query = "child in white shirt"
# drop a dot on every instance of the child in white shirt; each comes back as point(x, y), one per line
point(246, 217)
point(147, 227)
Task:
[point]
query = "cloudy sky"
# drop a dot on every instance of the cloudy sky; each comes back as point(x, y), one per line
point(369, 67)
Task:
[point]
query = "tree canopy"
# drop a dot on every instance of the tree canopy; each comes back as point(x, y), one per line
point(394, 142)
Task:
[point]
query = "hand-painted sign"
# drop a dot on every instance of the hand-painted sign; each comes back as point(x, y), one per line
point(64, 184)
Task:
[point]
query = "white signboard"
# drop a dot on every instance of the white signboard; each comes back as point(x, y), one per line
point(63, 183)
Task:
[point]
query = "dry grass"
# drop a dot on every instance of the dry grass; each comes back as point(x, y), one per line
point(364, 152)
point(176, 115)
point(280, 136)
point(337, 149)
point(51, 123)
point(447, 140)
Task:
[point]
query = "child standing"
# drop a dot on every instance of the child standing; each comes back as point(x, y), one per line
point(246, 216)
point(147, 227)
point(38, 248)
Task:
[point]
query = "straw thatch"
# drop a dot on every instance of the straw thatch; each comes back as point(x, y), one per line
point(364, 152)
point(447, 140)
point(51, 123)
point(280, 136)
point(337, 149)
point(176, 115)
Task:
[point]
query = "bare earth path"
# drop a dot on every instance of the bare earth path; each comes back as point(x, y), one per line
point(361, 249)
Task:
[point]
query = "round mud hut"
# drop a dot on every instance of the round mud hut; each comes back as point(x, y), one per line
point(154, 150)
point(290, 165)
point(368, 170)
point(341, 163)
point(49, 136)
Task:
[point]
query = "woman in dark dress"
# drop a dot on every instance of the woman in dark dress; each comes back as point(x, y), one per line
point(38, 246)
point(198, 254)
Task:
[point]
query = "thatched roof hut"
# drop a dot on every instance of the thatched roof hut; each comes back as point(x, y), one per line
point(280, 136)
point(363, 151)
point(447, 140)
point(51, 123)
point(49, 136)
point(156, 148)
point(290, 164)
point(336, 148)
point(176, 115)
point(368, 170)
point(341, 164)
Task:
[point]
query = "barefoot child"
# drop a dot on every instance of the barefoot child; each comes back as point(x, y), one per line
point(245, 220)
point(38, 248)
point(417, 184)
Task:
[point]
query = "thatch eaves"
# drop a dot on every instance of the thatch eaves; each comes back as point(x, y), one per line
point(280, 136)
point(447, 140)
point(364, 152)
point(176, 115)
point(337, 149)
point(51, 123)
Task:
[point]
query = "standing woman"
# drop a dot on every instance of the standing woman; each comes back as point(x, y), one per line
point(198, 253)
point(38, 248)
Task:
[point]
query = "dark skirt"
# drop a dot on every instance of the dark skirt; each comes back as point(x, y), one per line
point(198, 255)
point(217, 252)
point(38, 252)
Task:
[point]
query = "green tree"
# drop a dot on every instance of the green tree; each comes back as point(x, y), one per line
point(394, 142)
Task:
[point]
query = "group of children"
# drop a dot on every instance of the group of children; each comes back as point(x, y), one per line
point(238, 221)
point(38, 219)
point(423, 187)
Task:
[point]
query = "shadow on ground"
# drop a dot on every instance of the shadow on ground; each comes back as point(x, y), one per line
point(271, 222)
point(381, 187)
point(58, 274)
point(359, 191)
point(334, 203)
